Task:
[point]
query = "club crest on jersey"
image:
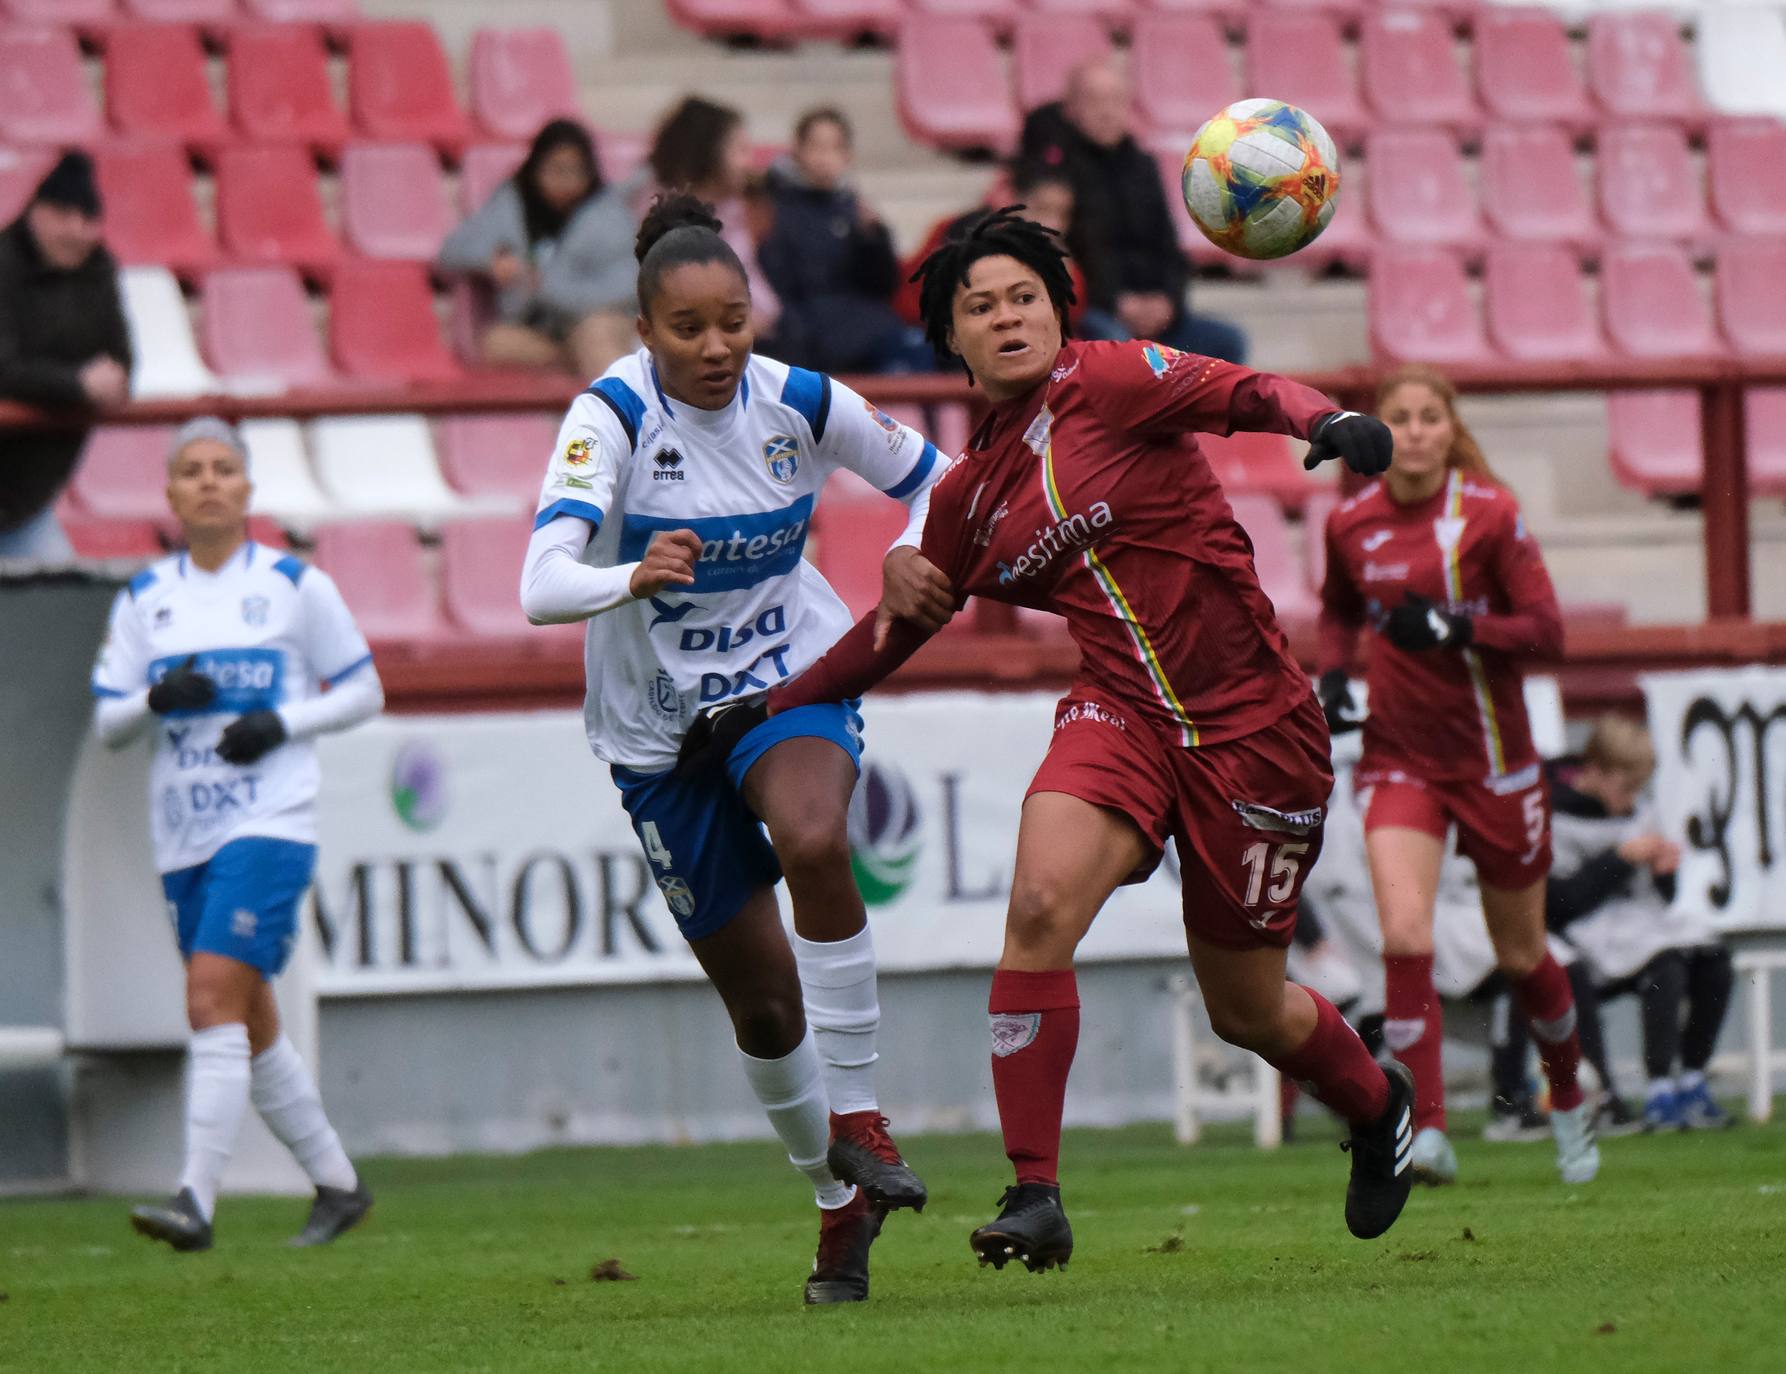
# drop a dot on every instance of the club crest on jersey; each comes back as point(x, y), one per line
point(1040, 430)
point(664, 697)
point(1448, 530)
point(579, 452)
point(254, 610)
point(668, 464)
point(781, 455)
point(880, 417)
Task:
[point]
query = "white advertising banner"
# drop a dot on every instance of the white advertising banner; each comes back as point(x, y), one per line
point(1721, 789)
point(490, 851)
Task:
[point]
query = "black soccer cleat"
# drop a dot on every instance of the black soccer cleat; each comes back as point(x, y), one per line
point(840, 1273)
point(863, 1153)
point(178, 1221)
point(334, 1211)
point(1031, 1228)
point(1381, 1151)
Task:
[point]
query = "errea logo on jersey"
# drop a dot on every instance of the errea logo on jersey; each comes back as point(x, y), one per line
point(1067, 536)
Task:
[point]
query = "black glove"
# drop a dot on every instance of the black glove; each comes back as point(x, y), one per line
point(1335, 691)
point(715, 733)
point(183, 689)
point(1418, 624)
point(250, 738)
point(1363, 441)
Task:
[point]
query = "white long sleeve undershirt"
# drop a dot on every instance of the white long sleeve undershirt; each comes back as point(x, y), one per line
point(558, 588)
point(358, 697)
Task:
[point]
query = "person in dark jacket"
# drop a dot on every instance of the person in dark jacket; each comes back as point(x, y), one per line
point(831, 261)
point(1122, 233)
point(63, 346)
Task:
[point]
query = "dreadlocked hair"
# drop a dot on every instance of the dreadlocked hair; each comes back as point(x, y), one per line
point(679, 229)
point(996, 233)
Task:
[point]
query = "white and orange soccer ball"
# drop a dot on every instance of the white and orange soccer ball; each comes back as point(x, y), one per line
point(1261, 179)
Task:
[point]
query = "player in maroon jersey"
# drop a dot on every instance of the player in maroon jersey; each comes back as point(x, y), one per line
point(1084, 494)
point(1436, 561)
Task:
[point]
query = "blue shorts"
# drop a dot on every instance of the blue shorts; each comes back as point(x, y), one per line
point(242, 902)
point(704, 846)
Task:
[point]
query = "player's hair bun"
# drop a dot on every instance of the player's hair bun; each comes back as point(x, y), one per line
point(673, 210)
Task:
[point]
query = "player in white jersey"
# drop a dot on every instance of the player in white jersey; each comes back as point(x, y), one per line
point(673, 519)
point(223, 652)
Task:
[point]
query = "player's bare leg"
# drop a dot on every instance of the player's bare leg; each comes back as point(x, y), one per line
point(1405, 865)
point(801, 789)
point(1516, 926)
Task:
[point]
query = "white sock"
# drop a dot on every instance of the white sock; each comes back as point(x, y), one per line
point(843, 1008)
point(1661, 1086)
point(286, 1097)
point(792, 1091)
point(1692, 1081)
point(216, 1094)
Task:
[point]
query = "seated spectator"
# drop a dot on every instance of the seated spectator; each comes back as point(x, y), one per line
point(702, 147)
point(831, 261)
point(555, 243)
point(63, 346)
point(1122, 232)
point(1611, 882)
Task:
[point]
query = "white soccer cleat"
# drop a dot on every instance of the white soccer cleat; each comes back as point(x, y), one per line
point(1433, 1160)
point(1578, 1151)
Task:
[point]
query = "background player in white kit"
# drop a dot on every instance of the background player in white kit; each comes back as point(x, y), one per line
point(223, 651)
point(673, 519)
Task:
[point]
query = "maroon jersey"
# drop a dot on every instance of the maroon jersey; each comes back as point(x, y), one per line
point(1087, 497)
point(1444, 714)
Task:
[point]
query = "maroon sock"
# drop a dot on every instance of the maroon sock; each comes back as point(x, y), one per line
point(1035, 1029)
point(1413, 1031)
point(1336, 1068)
point(1549, 1004)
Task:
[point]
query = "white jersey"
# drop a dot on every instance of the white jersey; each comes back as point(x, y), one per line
point(269, 631)
point(745, 479)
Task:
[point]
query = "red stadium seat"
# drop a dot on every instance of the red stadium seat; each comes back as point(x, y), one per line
point(269, 209)
point(1117, 13)
point(1418, 191)
point(400, 86)
point(212, 15)
point(1649, 187)
point(1638, 68)
point(1181, 72)
point(853, 527)
point(1001, 15)
point(1421, 310)
point(383, 577)
point(155, 84)
point(1652, 306)
point(21, 169)
point(1274, 557)
point(334, 15)
point(951, 86)
point(1654, 442)
point(1530, 189)
point(44, 95)
point(1751, 295)
point(279, 88)
point(1047, 48)
point(1258, 463)
point(1297, 56)
point(1746, 165)
point(392, 201)
point(772, 19)
point(1524, 71)
point(1410, 74)
point(1764, 414)
point(382, 325)
point(499, 456)
point(1537, 305)
point(95, 536)
point(846, 19)
point(520, 79)
point(257, 327)
point(88, 17)
point(480, 577)
point(123, 472)
point(485, 167)
point(151, 217)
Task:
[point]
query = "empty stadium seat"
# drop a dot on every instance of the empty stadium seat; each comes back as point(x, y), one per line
point(334, 15)
point(392, 201)
point(1180, 67)
point(853, 528)
point(155, 84)
point(269, 209)
point(1530, 188)
point(1652, 306)
point(1297, 56)
point(1746, 166)
point(1741, 54)
point(1524, 71)
point(1046, 48)
point(21, 169)
point(520, 78)
point(89, 17)
point(1260, 463)
point(400, 86)
point(950, 85)
point(725, 18)
point(259, 332)
point(383, 576)
point(1418, 191)
point(846, 19)
point(1638, 68)
point(1764, 416)
point(1654, 442)
point(152, 217)
point(1649, 187)
point(382, 325)
point(284, 486)
point(1420, 308)
point(480, 579)
point(96, 536)
point(1537, 305)
point(44, 95)
point(1751, 295)
point(213, 15)
point(485, 167)
point(1274, 556)
point(382, 465)
point(279, 88)
point(1410, 74)
point(123, 472)
point(166, 361)
point(1119, 13)
point(496, 457)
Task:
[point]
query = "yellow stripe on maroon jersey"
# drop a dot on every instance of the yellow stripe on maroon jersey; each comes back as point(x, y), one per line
point(1454, 588)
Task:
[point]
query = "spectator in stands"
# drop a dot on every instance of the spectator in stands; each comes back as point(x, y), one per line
point(702, 147)
point(1122, 232)
point(63, 346)
point(555, 242)
point(1611, 883)
point(831, 261)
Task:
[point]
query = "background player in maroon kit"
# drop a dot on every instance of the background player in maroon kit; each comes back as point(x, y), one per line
point(1435, 559)
point(1083, 494)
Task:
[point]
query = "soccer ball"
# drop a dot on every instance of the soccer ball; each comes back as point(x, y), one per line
point(1261, 179)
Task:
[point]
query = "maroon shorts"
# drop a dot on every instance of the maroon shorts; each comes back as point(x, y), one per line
point(1504, 831)
point(1246, 813)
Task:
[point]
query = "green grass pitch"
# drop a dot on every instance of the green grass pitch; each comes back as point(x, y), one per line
point(1214, 1258)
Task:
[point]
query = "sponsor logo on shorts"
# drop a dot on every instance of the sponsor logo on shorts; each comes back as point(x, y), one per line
point(678, 895)
point(1269, 818)
point(243, 923)
point(1013, 1031)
